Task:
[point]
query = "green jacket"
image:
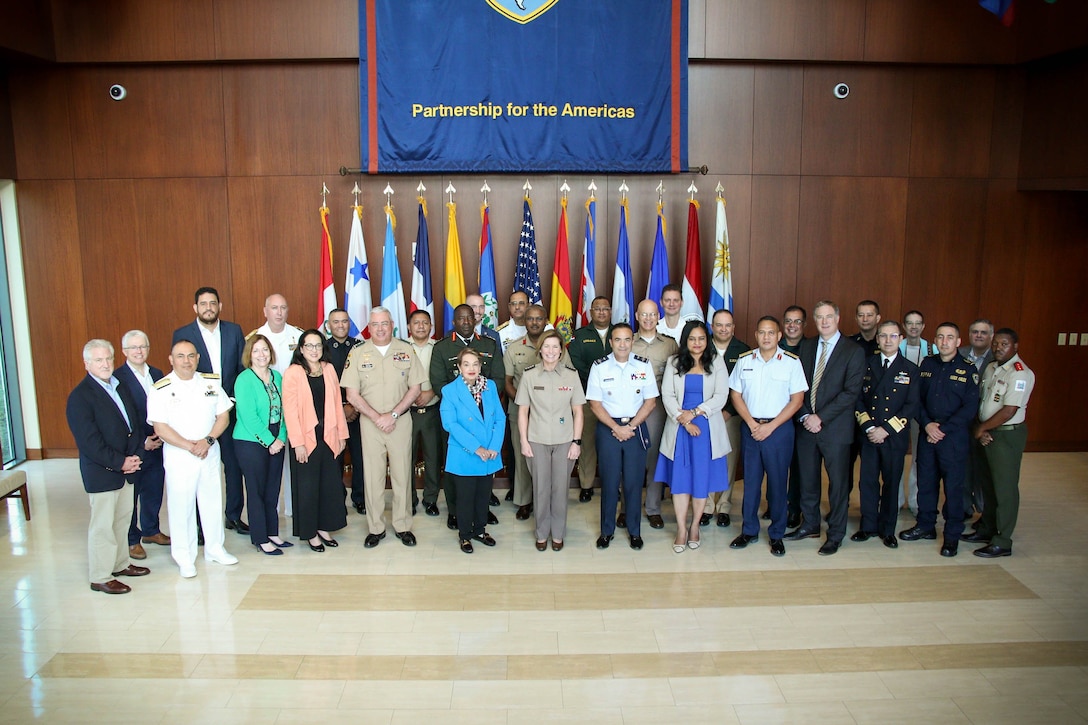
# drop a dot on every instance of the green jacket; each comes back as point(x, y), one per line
point(253, 407)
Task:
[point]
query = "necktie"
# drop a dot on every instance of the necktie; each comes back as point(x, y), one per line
point(818, 373)
point(886, 361)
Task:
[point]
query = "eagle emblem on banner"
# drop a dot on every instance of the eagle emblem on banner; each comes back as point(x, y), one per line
point(521, 11)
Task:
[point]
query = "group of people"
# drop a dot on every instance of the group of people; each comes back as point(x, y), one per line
point(667, 402)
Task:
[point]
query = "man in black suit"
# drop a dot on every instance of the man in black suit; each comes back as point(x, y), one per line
point(104, 420)
point(219, 344)
point(888, 403)
point(834, 366)
point(137, 376)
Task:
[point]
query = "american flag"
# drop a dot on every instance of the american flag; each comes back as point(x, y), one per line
point(527, 276)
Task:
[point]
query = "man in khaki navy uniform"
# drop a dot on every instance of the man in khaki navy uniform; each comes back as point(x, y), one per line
point(520, 354)
point(190, 410)
point(1006, 386)
point(657, 349)
point(513, 328)
point(383, 378)
point(590, 342)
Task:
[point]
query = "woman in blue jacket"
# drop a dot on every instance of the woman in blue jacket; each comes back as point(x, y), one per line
point(472, 415)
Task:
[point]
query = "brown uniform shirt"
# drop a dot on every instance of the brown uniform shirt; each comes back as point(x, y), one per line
point(383, 380)
point(551, 397)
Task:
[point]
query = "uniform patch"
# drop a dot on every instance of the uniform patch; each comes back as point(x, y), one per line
point(1021, 385)
point(902, 379)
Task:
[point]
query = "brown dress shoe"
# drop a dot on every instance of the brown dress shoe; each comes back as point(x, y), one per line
point(137, 552)
point(133, 570)
point(160, 538)
point(111, 587)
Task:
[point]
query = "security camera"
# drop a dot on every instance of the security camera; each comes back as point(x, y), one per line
point(118, 92)
point(841, 90)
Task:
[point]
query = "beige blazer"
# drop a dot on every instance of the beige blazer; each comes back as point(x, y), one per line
point(715, 395)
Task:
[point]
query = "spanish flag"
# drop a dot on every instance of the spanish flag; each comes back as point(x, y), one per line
point(561, 309)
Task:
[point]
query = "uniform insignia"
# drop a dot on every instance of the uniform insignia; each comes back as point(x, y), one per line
point(640, 375)
point(600, 360)
point(787, 353)
point(902, 379)
point(400, 357)
point(897, 424)
point(1020, 385)
point(210, 376)
point(639, 357)
point(251, 334)
point(530, 368)
point(745, 354)
point(607, 380)
point(163, 382)
point(503, 325)
point(540, 387)
point(563, 388)
point(997, 397)
point(1018, 366)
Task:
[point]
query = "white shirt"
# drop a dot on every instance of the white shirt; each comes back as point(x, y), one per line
point(621, 387)
point(144, 377)
point(766, 385)
point(213, 340)
point(283, 343)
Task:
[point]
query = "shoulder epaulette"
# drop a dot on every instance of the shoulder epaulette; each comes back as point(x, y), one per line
point(571, 368)
point(787, 353)
point(600, 360)
point(162, 383)
point(210, 376)
point(530, 368)
point(746, 353)
point(502, 325)
point(639, 357)
point(296, 329)
point(251, 334)
point(1018, 366)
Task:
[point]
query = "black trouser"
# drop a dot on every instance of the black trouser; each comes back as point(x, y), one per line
point(316, 492)
point(355, 450)
point(262, 473)
point(473, 496)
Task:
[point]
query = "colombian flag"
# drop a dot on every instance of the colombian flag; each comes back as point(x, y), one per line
point(455, 273)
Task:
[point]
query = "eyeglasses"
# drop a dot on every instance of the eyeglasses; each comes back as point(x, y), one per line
point(138, 347)
point(312, 346)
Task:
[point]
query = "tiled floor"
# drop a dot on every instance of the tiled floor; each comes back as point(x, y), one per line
point(511, 635)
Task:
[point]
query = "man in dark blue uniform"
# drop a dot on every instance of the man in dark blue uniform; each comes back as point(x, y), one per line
point(949, 402)
point(888, 402)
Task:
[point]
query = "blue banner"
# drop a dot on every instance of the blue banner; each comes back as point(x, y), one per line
point(523, 85)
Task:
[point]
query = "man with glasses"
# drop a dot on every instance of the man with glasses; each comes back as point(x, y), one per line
point(794, 320)
point(590, 343)
point(136, 376)
point(979, 352)
point(728, 348)
point(383, 378)
point(888, 402)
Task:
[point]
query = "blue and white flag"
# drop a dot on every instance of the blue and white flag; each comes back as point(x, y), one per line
point(623, 294)
point(357, 299)
point(721, 281)
point(392, 289)
point(659, 265)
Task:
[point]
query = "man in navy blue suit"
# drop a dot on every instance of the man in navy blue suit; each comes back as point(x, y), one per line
point(104, 420)
point(137, 377)
point(219, 344)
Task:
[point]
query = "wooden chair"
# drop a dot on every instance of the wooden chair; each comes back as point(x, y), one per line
point(13, 485)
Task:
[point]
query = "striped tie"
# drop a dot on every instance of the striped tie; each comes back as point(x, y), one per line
point(818, 373)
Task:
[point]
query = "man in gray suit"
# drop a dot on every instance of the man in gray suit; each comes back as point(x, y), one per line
point(834, 368)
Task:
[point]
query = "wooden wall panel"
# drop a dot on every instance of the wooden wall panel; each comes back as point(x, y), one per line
point(772, 268)
point(785, 29)
point(696, 28)
point(7, 134)
point(170, 124)
point(248, 29)
point(279, 121)
point(1008, 119)
point(1054, 147)
point(1008, 227)
point(1047, 28)
point(26, 27)
point(951, 122)
point(52, 266)
point(107, 31)
point(865, 134)
point(776, 127)
point(40, 125)
point(852, 242)
point(936, 31)
point(946, 221)
point(720, 106)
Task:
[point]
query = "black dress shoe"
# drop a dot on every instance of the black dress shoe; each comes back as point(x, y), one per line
point(777, 547)
point(621, 520)
point(723, 520)
point(802, 533)
point(793, 520)
point(950, 548)
point(704, 520)
point(636, 542)
point(406, 537)
point(916, 533)
point(863, 536)
point(542, 545)
point(992, 551)
point(891, 542)
point(373, 540)
point(743, 540)
point(451, 522)
point(318, 548)
point(510, 495)
point(829, 548)
point(493, 501)
point(524, 512)
point(430, 509)
point(975, 538)
point(485, 539)
point(466, 546)
point(492, 519)
point(604, 541)
point(586, 495)
point(240, 526)
point(359, 508)
point(329, 542)
point(656, 522)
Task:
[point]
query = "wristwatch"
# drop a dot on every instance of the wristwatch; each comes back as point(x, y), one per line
point(577, 441)
point(394, 414)
point(211, 441)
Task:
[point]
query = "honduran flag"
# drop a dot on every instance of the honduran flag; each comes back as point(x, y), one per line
point(659, 264)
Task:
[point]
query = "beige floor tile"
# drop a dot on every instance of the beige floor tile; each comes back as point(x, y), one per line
point(248, 667)
point(1078, 701)
point(326, 643)
point(618, 620)
point(408, 643)
point(583, 716)
point(998, 632)
point(817, 713)
point(865, 659)
point(655, 692)
point(221, 716)
point(923, 684)
point(1036, 682)
point(606, 642)
point(294, 716)
point(822, 615)
point(553, 621)
point(89, 640)
point(457, 667)
point(215, 642)
point(731, 617)
point(502, 643)
point(906, 712)
point(899, 635)
point(131, 666)
point(386, 694)
point(323, 694)
point(461, 622)
point(76, 714)
point(449, 717)
point(565, 666)
point(1016, 710)
point(725, 691)
point(832, 686)
point(789, 637)
point(506, 695)
point(367, 622)
point(650, 665)
point(767, 662)
point(708, 715)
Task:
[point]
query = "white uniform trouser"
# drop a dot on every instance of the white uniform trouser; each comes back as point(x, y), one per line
point(193, 483)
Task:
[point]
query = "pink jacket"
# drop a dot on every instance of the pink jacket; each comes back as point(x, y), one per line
point(300, 417)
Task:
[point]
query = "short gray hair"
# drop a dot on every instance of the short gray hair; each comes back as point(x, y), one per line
point(127, 337)
point(96, 344)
